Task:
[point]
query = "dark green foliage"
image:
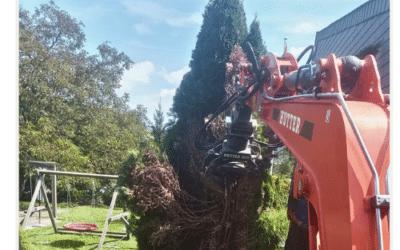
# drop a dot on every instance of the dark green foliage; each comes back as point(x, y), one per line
point(262, 237)
point(158, 128)
point(256, 40)
point(283, 162)
point(190, 97)
point(107, 193)
point(173, 135)
point(201, 89)
point(271, 230)
point(145, 227)
point(124, 179)
point(184, 156)
point(271, 226)
point(139, 223)
point(276, 191)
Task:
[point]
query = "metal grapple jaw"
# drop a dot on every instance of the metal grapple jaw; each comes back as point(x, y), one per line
point(234, 158)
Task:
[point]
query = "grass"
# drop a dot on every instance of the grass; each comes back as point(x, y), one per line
point(45, 238)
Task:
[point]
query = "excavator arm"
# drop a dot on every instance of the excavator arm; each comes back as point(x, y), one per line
point(341, 144)
point(332, 116)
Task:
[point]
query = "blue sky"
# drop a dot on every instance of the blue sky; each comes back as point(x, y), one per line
point(159, 36)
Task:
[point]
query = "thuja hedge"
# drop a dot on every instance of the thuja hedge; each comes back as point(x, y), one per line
point(276, 191)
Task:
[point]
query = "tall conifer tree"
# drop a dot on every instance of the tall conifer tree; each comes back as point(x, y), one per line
point(256, 40)
point(158, 128)
point(201, 90)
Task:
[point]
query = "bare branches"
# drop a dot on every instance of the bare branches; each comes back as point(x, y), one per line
point(221, 223)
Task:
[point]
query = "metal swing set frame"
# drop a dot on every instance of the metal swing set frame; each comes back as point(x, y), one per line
point(49, 168)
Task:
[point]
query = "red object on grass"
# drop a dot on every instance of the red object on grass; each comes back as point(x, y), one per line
point(80, 226)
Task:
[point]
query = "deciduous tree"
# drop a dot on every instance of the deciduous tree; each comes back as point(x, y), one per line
point(68, 97)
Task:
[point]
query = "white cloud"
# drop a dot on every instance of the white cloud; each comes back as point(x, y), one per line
point(141, 45)
point(167, 92)
point(146, 8)
point(303, 28)
point(139, 73)
point(296, 51)
point(197, 18)
point(142, 28)
point(297, 23)
point(155, 12)
point(183, 21)
point(174, 77)
point(277, 53)
point(150, 102)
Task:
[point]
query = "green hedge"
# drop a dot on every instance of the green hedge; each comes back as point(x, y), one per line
point(275, 192)
point(272, 226)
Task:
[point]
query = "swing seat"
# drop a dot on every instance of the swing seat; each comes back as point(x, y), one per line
point(80, 226)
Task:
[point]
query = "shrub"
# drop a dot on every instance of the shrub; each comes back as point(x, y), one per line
point(271, 227)
point(275, 225)
point(263, 237)
point(275, 192)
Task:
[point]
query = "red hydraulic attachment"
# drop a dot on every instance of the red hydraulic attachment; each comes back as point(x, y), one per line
point(339, 134)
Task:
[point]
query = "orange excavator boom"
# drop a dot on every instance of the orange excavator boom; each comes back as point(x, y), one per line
point(332, 116)
point(335, 120)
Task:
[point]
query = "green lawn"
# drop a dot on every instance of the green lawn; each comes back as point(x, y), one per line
point(45, 238)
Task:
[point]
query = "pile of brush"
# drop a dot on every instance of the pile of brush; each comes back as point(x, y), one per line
point(172, 219)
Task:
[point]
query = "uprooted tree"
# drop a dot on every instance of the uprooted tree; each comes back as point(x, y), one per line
point(172, 218)
point(202, 88)
point(174, 208)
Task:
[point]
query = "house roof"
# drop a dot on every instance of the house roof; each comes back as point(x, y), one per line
point(367, 25)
